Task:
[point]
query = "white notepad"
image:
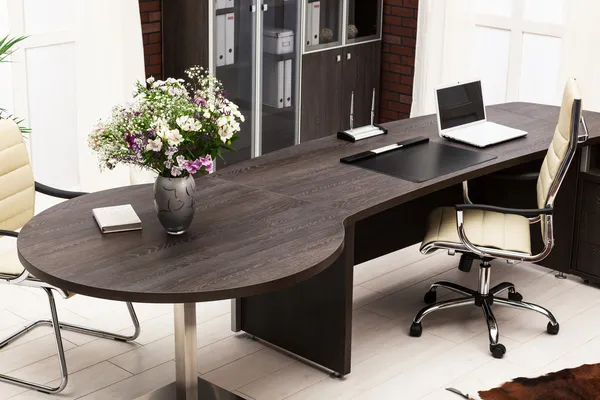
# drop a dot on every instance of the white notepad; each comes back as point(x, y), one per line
point(117, 219)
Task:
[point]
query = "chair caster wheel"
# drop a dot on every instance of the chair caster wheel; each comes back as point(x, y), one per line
point(552, 329)
point(430, 297)
point(497, 350)
point(416, 329)
point(515, 296)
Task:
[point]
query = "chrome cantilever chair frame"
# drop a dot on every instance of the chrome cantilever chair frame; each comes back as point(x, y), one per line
point(26, 279)
point(485, 296)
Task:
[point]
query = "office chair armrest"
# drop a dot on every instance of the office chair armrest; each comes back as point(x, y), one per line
point(465, 190)
point(9, 233)
point(582, 138)
point(62, 194)
point(523, 176)
point(516, 211)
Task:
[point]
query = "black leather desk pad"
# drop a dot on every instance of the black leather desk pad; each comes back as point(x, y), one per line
point(423, 162)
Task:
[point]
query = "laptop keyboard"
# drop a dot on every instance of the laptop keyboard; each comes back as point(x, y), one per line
point(485, 134)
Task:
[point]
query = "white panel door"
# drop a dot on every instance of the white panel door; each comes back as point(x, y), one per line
point(44, 82)
point(6, 88)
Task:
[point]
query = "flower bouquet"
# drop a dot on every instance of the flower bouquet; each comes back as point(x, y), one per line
point(176, 128)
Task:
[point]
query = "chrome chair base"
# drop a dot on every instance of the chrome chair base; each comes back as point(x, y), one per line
point(484, 298)
point(57, 326)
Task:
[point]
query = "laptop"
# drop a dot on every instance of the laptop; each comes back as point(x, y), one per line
point(461, 116)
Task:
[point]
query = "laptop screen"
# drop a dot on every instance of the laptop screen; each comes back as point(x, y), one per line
point(460, 105)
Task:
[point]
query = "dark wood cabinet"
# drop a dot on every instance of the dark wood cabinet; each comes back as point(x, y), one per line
point(587, 239)
point(321, 94)
point(362, 65)
point(328, 80)
point(185, 29)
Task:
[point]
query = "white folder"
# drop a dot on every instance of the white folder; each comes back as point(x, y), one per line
point(221, 4)
point(229, 38)
point(316, 22)
point(220, 35)
point(287, 92)
point(273, 81)
point(308, 27)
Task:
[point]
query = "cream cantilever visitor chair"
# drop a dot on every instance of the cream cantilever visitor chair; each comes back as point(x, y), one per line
point(487, 232)
point(17, 197)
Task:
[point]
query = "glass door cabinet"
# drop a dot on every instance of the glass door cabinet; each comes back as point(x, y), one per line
point(256, 56)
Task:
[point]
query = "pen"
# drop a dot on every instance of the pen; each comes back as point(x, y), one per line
point(396, 146)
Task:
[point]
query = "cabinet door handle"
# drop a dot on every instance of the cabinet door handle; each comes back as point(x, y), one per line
point(339, 58)
point(349, 56)
point(253, 9)
point(265, 7)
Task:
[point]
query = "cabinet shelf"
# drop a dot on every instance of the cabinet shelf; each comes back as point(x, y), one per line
point(280, 57)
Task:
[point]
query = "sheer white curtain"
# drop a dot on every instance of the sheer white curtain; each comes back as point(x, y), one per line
point(581, 52)
point(523, 50)
point(442, 58)
point(110, 58)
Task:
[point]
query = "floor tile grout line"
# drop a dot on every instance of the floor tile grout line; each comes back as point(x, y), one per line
point(170, 334)
point(237, 359)
point(425, 257)
point(70, 373)
point(271, 373)
point(16, 315)
point(124, 379)
point(570, 317)
point(416, 365)
point(572, 350)
point(118, 366)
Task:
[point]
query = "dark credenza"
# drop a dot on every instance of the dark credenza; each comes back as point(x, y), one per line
point(586, 249)
point(328, 80)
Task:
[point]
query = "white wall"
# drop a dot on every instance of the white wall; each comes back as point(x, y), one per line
point(80, 59)
point(523, 50)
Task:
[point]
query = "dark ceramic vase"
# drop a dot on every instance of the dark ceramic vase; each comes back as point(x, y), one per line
point(174, 200)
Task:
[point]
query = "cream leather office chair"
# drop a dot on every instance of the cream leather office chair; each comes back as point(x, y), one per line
point(17, 197)
point(487, 232)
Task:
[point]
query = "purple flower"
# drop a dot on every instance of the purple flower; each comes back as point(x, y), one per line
point(171, 150)
point(199, 101)
point(207, 162)
point(175, 171)
point(130, 139)
point(194, 166)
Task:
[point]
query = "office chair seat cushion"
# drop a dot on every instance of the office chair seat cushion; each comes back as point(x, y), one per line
point(10, 267)
point(483, 228)
point(10, 264)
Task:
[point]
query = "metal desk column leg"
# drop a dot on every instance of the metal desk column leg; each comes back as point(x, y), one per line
point(186, 363)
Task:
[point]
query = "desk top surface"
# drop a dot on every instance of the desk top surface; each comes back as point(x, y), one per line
point(260, 225)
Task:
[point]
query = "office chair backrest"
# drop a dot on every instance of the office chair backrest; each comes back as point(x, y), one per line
point(17, 187)
point(563, 147)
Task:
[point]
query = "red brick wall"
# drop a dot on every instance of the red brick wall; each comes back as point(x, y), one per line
point(397, 58)
point(151, 32)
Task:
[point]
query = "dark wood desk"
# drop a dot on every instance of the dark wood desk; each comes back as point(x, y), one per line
point(281, 233)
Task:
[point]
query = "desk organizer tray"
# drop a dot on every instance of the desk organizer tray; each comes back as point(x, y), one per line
point(423, 162)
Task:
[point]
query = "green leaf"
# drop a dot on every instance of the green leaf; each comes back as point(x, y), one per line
point(5, 115)
point(7, 44)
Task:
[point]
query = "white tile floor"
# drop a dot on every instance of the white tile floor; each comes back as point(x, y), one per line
point(386, 364)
